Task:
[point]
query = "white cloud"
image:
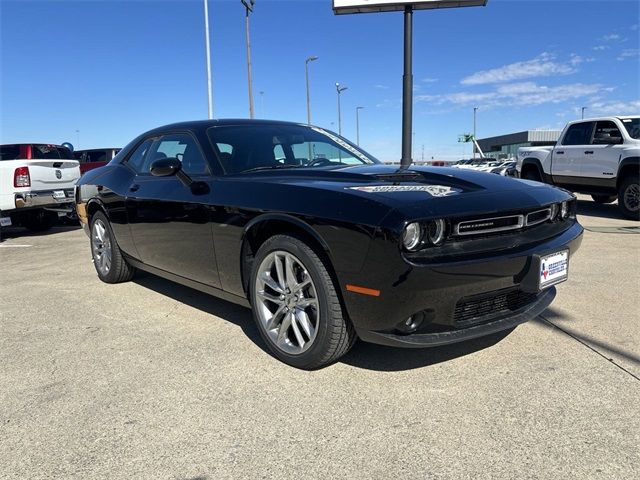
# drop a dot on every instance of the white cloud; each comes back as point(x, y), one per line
point(543, 65)
point(614, 108)
point(634, 27)
point(381, 87)
point(599, 48)
point(429, 80)
point(515, 94)
point(629, 53)
point(609, 38)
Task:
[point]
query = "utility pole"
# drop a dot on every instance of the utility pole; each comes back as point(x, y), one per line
point(407, 88)
point(248, 5)
point(358, 125)
point(583, 109)
point(306, 74)
point(208, 53)
point(339, 89)
point(475, 110)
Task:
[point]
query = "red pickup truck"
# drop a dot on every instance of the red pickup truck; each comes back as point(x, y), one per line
point(94, 158)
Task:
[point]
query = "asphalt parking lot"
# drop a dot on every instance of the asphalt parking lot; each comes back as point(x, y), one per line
point(153, 380)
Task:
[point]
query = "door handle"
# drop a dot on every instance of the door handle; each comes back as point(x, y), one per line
point(588, 152)
point(560, 153)
point(134, 188)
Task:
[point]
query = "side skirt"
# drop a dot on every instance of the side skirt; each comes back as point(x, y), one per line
point(216, 292)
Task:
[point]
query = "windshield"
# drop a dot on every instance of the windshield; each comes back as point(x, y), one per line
point(633, 127)
point(250, 147)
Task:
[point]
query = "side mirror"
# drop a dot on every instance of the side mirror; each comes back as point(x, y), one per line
point(165, 167)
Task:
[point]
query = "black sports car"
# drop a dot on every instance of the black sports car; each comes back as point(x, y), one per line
point(324, 242)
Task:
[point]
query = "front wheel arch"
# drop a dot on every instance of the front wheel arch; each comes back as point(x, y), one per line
point(531, 165)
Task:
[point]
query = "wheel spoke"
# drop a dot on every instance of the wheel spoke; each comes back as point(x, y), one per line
point(303, 319)
point(284, 327)
point(273, 285)
point(271, 298)
point(292, 283)
point(279, 271)
point(275, 318)
point(308, 302)
point(296, 331)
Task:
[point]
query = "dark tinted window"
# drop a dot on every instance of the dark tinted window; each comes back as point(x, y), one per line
point(9, 152)
point(97, 156)
point(136, 159)
point(633, 127)
point(578, 134)
point(181, 146)
point(606, 132)
point(242, 148)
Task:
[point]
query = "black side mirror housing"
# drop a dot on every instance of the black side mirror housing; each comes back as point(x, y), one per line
point(165, 167)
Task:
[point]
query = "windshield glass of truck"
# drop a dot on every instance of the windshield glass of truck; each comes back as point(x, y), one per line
point(633, 127)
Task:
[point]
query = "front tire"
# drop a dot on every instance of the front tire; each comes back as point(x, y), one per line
point(602, 199)
point(296, 305)
point(107, 257)
point(629, 197)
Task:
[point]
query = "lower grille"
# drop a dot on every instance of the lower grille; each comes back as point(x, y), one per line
point(471, 311)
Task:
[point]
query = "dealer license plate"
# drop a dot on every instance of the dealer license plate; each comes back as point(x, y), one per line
point(5, 222)
point(59, 194)
point(554, 268)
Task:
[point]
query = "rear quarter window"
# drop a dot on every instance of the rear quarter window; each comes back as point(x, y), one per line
point(9, 152)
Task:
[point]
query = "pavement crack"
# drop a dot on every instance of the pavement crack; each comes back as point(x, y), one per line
point(583, 342)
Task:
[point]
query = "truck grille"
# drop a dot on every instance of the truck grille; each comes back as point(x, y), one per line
point(474, 310)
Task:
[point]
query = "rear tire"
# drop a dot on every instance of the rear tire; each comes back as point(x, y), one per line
point(107, 257)
point(629, 197)
point(39, 220)
point(296, 305)
point(604, 198)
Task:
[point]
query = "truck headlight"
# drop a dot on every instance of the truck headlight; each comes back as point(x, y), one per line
point(411, 236)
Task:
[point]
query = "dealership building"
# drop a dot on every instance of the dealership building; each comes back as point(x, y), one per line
point(506, 146)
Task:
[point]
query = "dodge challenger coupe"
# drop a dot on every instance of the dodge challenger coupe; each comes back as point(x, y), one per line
point(324, 242)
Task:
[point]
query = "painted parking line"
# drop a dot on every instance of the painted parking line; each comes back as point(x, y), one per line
point(15, 246)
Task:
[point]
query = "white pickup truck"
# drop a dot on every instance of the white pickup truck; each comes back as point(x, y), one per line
point(597, 156)
point(36, 184)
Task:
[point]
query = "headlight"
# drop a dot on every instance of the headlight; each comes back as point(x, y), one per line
point(436, 231)
point(411, 236)
point(564, 210)
point(554, 212)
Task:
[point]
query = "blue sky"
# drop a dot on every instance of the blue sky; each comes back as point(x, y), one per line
point(113, 69)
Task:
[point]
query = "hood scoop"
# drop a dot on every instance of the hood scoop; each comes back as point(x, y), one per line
point(399, 177)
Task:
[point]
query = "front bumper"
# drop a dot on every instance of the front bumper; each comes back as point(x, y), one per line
point(457, 300)
point(49, 199)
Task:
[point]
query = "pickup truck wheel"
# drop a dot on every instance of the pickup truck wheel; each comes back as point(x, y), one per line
point(107, 257)
point(296, 305)
point(629, 197)
point(604, 198)
point(39, 221)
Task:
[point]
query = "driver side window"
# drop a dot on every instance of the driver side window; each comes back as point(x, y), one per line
point(181, 146)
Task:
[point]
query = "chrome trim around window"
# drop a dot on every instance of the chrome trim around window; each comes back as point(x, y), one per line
point(519, 224)
point(547, 217)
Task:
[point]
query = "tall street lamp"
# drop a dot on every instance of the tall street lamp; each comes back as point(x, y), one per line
point(248, 5)
point(306, 73)
point(475, 111)
point(339, 89)
point(358, 125)
point(208, 53)
point(583, 109)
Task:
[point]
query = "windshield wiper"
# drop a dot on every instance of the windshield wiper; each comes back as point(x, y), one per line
point(271, 167)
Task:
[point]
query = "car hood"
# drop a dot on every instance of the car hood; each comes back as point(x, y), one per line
point(422, 191)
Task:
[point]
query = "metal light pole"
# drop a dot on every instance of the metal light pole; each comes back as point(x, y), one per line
point(208, 53)
point(358, 125)
point(248, 5)
point(339, 89)
point(306, 73)
point(583, 109)
point(407, 88)
point(475, 110)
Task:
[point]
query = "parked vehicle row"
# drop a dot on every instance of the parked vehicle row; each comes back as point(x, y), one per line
point(599, 157)
point(324, 242)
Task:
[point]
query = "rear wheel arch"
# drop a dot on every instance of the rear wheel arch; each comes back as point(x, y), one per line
point(628, 166)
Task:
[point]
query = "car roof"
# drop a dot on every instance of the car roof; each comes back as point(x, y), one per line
point(199, 124)
point(599, 119)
